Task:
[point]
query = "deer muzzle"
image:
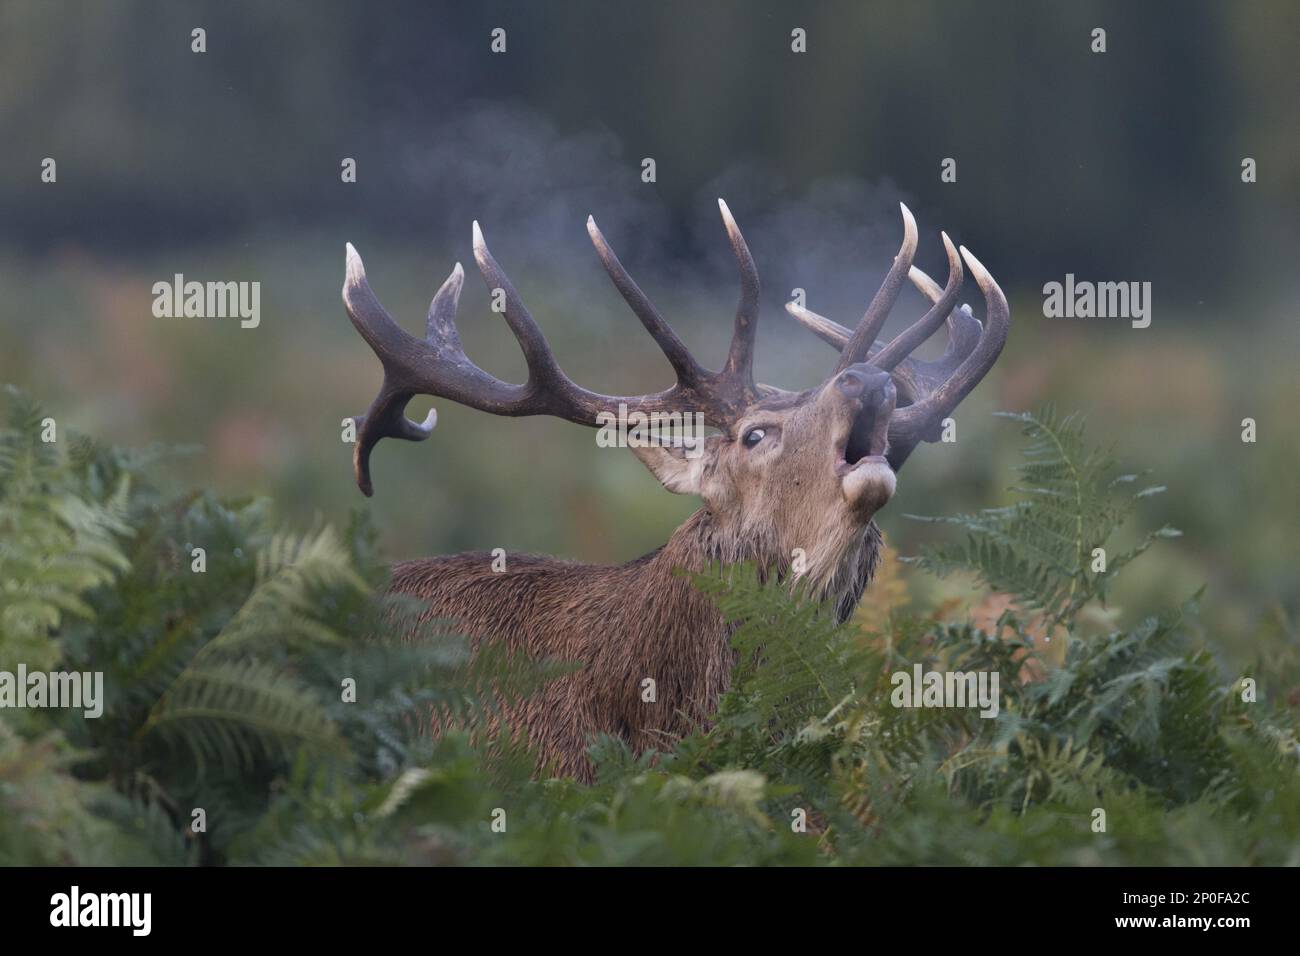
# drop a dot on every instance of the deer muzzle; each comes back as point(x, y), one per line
point(871, 396)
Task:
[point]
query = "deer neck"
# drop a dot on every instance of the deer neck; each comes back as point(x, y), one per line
point(835, 566)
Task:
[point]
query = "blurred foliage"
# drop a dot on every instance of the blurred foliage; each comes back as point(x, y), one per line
point(1123, 165)
point(1128, 160)
point(223, 691)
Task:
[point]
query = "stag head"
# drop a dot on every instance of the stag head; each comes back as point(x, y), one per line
point(786, 469)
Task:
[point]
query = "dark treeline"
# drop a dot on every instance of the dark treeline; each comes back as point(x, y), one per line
point(1118, 164)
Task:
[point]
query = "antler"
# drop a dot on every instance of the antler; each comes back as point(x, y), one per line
point(930, 389)
point(437, 364)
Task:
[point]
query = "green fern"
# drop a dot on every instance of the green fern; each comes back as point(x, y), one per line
point(55, 546)
point(223, 693)
point(237, 712)
point(1040, 548)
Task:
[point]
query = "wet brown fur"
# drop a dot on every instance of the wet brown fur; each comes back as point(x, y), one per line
point(623, 623)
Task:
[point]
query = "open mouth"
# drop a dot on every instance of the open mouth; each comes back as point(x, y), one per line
point(866, 441)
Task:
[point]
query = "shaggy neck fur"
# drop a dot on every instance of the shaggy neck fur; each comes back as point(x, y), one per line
point(836, 565)
point(655, 651)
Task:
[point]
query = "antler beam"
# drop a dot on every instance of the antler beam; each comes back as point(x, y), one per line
point(437, 364)
point(930, 389)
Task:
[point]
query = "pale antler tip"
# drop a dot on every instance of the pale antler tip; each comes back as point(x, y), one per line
point(977, 269)
point(728, 219)
point(909, 225)
point(954, 259)
point(924, 284)
point(453, 283)
point(356, 270)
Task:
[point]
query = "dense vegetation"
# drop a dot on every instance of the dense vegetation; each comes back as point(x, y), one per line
point(226, 690)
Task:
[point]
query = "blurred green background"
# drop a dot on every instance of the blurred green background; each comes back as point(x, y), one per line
point(1122, 166)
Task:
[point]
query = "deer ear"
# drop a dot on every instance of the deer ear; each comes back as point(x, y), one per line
point(678, 469)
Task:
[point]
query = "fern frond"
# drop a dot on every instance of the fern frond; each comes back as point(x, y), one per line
point(235, 712)
point(1040, 548)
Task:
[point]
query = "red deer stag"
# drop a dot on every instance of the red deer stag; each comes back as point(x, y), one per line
point(787, 470)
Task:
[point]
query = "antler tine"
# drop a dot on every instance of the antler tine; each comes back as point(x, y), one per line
point(878, 312)
point(828, 330)
point(907, 340)
point(679, 356)
point(440, 327)
point(963, 328)
point(738, 372)
point(542, 367)
point(437, 365)
point(720, 397)
point(912, 376)
point(924, 284)
point(837, 336)
point(386, 417)
point(932, 290)
point(917, 378)
point(927, 391)
point(370, 318)
point(916, 422)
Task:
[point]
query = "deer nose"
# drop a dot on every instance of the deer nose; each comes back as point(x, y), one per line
point(861, 381)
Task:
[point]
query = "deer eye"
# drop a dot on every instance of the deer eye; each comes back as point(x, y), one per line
point(753, 437)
